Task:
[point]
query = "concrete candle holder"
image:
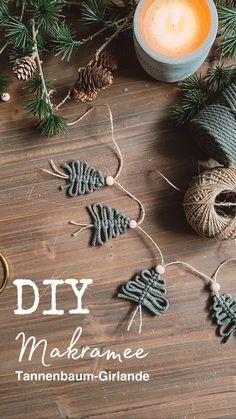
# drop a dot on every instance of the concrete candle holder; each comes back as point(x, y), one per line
point(174, 65)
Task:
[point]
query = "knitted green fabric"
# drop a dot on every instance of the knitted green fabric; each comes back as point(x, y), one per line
point(147, 289)
point(108, 223)
point(83, 179)
point(225, 315)
point(214, 128)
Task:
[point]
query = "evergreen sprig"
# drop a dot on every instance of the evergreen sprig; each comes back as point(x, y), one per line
point(29, 28)
point(47, 13)
point(219, 77)
point(64, 40)
point(94, 11)
point(227, 20)
point(53, 124)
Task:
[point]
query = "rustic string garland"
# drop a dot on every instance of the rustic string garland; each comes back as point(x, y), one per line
point(148, 288)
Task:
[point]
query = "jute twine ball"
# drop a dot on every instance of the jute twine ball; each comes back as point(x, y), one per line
point(210, 204)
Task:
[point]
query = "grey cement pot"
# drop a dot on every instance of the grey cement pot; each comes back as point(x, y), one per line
point(172, 69)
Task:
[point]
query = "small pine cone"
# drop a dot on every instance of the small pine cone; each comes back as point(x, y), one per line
point(81, 96)
point(93, 78)
point(24, 68)
point(107, 60)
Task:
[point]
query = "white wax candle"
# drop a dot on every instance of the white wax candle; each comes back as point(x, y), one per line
point(175, 27)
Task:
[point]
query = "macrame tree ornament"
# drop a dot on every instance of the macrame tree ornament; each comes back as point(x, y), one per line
point(224, 308)
point(147, 289)
point(107, 224)
point(80, 177)
point(223, 305)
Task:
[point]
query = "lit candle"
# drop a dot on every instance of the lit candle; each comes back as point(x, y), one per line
point(173, 37)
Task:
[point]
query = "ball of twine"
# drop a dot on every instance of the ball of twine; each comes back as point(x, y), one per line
point(210, 204)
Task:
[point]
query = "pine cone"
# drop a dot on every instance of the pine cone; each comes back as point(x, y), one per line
point(107, 60)
point(24, 68)
point(81, 96)
point(93, 78)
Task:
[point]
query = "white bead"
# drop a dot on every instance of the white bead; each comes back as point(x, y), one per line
point(160, 269)
point(133, 224)
point(215, 287)
point(5, 97)
point(109, 181)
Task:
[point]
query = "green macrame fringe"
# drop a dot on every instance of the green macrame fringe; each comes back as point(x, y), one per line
point(147, 289)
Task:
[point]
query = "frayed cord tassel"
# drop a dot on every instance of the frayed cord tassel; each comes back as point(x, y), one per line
point(83, 227)
point(139, 307)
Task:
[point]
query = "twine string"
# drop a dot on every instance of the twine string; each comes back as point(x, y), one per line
point(167, 180)
point(142, 209)
point(215, 275)
point(138, 308)
point(154, 243)
point(201, 274)
point(119, 154)
point(57, 172)
point(82, 226)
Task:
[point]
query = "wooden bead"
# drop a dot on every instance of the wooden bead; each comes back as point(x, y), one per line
point(109, 181)
point(133, 224)
point(215, 287)
point(5, 97)
point(160, 269)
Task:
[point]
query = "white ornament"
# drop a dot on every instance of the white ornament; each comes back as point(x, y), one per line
point(5, 97)
point(109, 181)
point(160, 269)
point(133, 224)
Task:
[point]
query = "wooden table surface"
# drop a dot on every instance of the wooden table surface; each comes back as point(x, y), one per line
point(192, 375)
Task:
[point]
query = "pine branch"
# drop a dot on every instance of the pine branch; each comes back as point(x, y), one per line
point(47, 13)
point(113, 36)
point(228, 46)
point(39, 64)
point(93, 11)
point(227, 17)
point(198, 91)
point(35, 86)
point(53, 124)
point(65, 41)
point(219, 77)
point(4, 12)
point(94, 59)
point(18, 34)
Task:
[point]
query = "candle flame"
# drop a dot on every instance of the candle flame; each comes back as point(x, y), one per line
point(176, 17)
